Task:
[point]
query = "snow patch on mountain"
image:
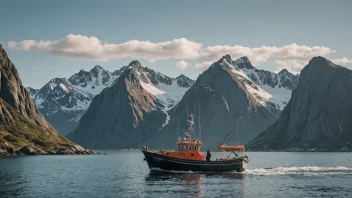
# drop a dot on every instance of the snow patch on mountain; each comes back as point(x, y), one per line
point(268, 88)
point(169, 91)
point(262, 97)
point(272, 83)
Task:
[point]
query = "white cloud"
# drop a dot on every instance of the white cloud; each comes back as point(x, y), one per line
point(342, 61)
point(182, 64)
point(91, 48)
point(292, 57)
point(203, 66)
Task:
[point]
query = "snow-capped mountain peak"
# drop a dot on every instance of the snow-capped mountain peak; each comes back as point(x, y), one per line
point(278, 86)
point(267, 88)
point(243, 62)
point(184, 81)
point(135, 64)
point(63, 101)
point(169, 91)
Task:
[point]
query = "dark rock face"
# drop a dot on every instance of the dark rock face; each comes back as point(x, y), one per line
point(13, 93)
point(243, 62)
point(27, 151)
point(223, 94)
point(63, 101)
point(319, 113)
point(128, 112)
point(23, 130)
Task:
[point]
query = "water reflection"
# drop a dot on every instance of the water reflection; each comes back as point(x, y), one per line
point(193, 184)
point(11, 185)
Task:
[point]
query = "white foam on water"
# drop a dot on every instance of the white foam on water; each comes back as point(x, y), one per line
point(305, 170)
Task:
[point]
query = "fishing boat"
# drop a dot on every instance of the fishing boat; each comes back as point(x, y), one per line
point(189, 158)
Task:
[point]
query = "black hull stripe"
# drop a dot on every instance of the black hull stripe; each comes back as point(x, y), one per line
point(193, 162)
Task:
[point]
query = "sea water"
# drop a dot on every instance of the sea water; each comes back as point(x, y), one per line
point(125, 174)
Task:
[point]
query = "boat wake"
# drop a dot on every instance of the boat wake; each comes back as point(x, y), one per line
point(305, 170)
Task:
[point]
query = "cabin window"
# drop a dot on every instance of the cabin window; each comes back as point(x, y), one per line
point(182, 147)
point(193, 147)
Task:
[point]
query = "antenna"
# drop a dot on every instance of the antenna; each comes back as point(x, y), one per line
point(194, 131)
point(200, 124)
point(178, 122)
point(200, 128)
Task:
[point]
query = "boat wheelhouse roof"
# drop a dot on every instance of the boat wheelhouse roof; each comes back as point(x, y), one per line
point(198, 143)
point(232, 148)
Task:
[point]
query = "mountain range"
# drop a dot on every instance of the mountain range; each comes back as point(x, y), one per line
point(318, 115)
point(63, 101)
point(143, 106)
point(131, 110)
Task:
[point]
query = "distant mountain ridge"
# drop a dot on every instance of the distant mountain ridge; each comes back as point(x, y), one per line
point(131, 110)
point(63, 101)
point(153, 102)
point(318, 116)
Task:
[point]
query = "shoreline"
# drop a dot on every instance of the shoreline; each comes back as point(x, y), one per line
point(28, 151)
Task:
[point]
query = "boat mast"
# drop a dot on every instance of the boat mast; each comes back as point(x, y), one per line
point(227, 136)
point(190, 126)
point(200, 128)
point(178, 122)
point(200, 124)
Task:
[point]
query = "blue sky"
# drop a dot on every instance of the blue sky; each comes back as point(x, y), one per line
point(235, 27)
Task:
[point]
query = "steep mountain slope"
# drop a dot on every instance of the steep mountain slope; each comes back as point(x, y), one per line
point(21, 124)
point(319, 113)
point(224, 94)
point(131, 110)
point(63, 101)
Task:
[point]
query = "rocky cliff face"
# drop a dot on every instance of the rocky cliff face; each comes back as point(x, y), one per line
point(21, 124)
point(131, 110)
point(63, 101)
point(319, 113)
point(224, 94)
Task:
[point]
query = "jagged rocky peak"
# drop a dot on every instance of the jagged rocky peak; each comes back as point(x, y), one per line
point(97, 68)
point(135, 64)
point(285, 72)
point(227, 58)
point(184, 81)
point(243, 62)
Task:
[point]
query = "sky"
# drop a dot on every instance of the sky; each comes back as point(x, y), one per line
point(48, 39)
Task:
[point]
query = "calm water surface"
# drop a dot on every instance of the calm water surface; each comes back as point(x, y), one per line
point(125, 174)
